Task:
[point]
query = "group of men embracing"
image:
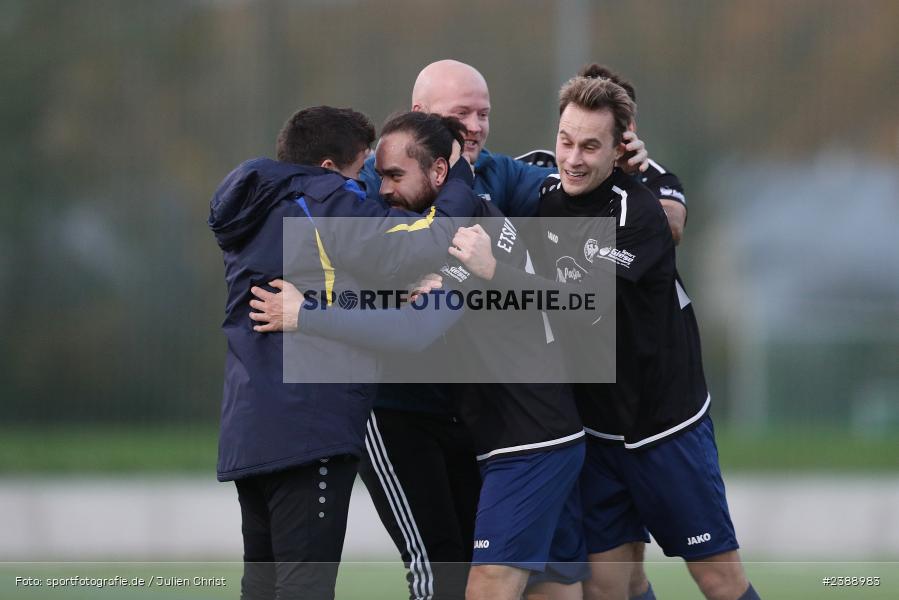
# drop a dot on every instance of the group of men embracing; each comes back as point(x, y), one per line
point(500, 463)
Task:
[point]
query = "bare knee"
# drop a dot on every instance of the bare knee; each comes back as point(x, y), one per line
point(554, 591)
point(604, 590)
point(720, 577)
point(610, 572)
point(638, 583)
point(495, 582)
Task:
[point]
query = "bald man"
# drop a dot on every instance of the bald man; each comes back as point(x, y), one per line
point(449, 87)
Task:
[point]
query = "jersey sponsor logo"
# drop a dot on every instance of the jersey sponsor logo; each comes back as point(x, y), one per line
point(481, 544)
point(668, 192)
point(567, 270)
point(698, 539)
point(552, 237)
point(507, 236)
point(458, 273)
point(619, 257)
point(590, 249)
point(484, 196)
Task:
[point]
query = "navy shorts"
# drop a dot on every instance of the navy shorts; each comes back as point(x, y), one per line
point(523, 498)
point(672, 490)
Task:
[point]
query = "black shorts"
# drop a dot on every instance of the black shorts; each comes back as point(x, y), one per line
point(293, 525)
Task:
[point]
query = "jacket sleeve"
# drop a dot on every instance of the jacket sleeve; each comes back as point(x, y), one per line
point(521, 184)
point(370, 178)
point(411, 328)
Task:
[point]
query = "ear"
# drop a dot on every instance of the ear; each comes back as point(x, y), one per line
point(329, 164)
point(439, 171)
point(632, 126)
point(417, 107)
point(619, 150)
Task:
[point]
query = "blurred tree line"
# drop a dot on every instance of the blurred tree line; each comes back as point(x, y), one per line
point(119, 119)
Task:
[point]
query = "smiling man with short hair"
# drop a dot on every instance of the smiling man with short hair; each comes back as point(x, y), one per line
point(651, 464)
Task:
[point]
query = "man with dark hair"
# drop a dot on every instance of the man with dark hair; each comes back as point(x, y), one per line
point(292, 448)
point(428, 511)
point(651, 459)
point(524, 425)
point(334, 138)
point(515, 525)
point(432, 135)
point(426, 139)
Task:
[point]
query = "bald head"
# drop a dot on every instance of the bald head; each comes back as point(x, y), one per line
point(452, 88)
point(442, 78)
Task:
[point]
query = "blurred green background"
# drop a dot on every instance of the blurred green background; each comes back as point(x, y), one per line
point(120, 118)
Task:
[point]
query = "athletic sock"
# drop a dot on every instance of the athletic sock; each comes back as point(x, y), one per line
point(648, 595)
point(749, 594)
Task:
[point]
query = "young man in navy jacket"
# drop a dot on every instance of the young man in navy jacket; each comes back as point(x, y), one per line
point(293, 448)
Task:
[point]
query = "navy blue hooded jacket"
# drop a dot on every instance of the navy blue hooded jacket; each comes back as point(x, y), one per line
point(268, 425)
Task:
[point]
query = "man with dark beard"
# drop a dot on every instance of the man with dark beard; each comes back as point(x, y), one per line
point(525, 432)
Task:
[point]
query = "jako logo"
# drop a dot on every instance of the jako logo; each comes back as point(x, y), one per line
point(698, 539)
point(481, 544)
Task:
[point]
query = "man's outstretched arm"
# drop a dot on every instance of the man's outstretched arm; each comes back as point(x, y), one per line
point(410, 328)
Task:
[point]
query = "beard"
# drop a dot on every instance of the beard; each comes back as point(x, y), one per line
point(418, 200)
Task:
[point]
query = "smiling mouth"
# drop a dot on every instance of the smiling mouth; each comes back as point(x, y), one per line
point(576, 175)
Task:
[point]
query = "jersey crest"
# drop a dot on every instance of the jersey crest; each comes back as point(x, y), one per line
point(590, 249)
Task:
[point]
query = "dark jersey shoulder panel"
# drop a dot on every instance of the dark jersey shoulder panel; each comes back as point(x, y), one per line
point(664, 184)
point(642, 236)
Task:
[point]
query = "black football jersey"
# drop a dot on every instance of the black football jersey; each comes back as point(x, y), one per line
point(660, 386)
point(527, 406)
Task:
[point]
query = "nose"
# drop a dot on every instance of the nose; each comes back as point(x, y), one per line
point(386, 188)
point(472, 124)
point(575, 157)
